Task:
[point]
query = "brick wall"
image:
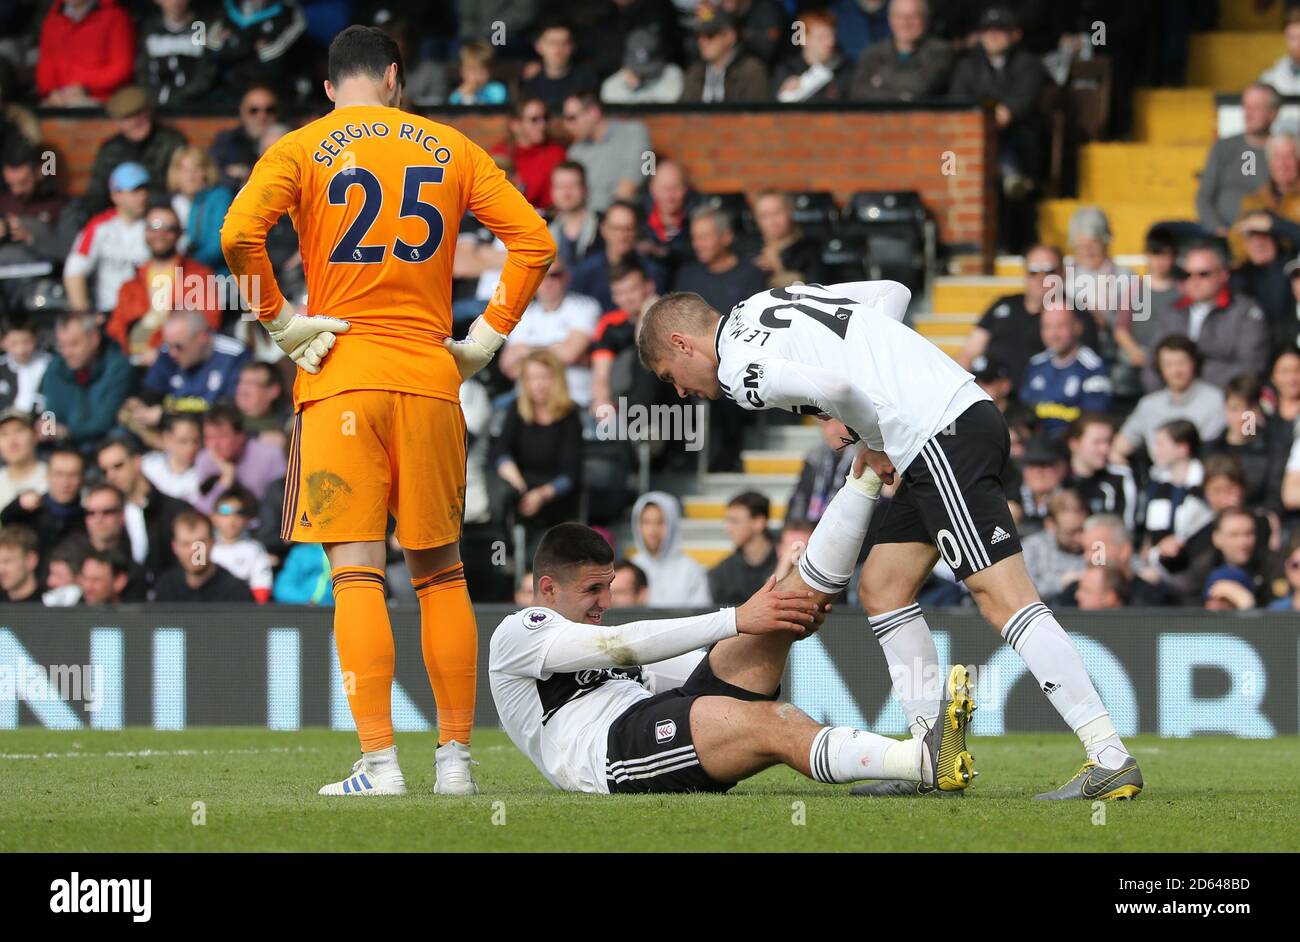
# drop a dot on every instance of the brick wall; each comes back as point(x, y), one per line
point(842, 151)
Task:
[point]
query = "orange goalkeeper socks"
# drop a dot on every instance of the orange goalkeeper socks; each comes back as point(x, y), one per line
point(364, 637)
point(449, 638)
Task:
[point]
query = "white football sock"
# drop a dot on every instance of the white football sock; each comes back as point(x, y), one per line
point(1052, 658)
point(913, 664)
point(380, 756)
point(841, 754)
point(827, 564)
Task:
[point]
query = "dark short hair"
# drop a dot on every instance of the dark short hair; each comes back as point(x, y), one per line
point(100, 487)
point(638, 574)
point(71, 550)
point(624, 267)
point(269, 372)
point(798, 524)
point(754, 502)
point(223, 413)
point(1183, 432)
point(172, 419)
point(1246, 386)
point(189, 517)
point(67, 450)
point(522, 104)
point(1076, 428)
point(567, 545)
point(20, 537)
point(364, 50)
point(1180, 344)
point(110, 558)
point(623, 204)
point(574, 167)
point(117, 441)
point(237, 492)
point(1225, 466)
point(17, 321)
point(1161, 239)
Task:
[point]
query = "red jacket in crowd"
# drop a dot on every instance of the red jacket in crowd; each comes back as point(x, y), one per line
point(96, 52)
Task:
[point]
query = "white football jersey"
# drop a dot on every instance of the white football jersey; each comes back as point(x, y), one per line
point(775, 347)
point(568, 745)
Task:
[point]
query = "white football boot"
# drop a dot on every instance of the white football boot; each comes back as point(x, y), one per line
point(375, 773)
point(452, 772)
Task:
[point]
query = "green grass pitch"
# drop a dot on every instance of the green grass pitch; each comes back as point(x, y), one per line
point(137, 790)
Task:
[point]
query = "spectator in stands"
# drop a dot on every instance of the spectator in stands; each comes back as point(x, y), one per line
point(64, 568)
point(539, 450)
point(200, 202)
point(556, 77)
point(1261, 275)
point(613, 344)
point(1105, 488)
point(1174, 506)
point(230, 457)
point(718, 275)
point(140, 139)
point(1284, 376)
point(259, 397)
point(629, 589)
point(19, 562)
point(676, 580)
point(907, 66)
point(196, 367)
point(618, 230)
point(743, 573)
point(234, 550)
point(1103, 291)
point(1009, 331)
point(1279, 196)
point(105, 519)
point(1101, 588)
point(86, 383)
point(534, 154)
point(169, 282)
point(823, 472)
point(1229, 330)
point(1286, 329)
point(236, 149)
point(1162, 283)
point(560, 322)
point(174, 68)
point(257, 42)
point(87, 52)
point(612, 152)
point(476, 84)
point(726, 71)
point(647, 77)
point(1230, 589)
point(1184, 396)
point(112, 245)
point(574, 225)
point(524, 588)
point(1229, 173)
point(305, 577)
point(795, 533)
point(1067, 378)
point(814, 70)
point(172, 469)
point(1288, 603)
point(23, 472)
point(197, 577)
point(1108, 543)
point(992, 376)
point(999, 69)
point(859, 24)
point(762, 25)
point(24, 359)
point(33, 224)
point(57, 512)
point(1284, 74)
point(148, 512)
point(666, 236)
point(1054, 557)
point(1260, 443)
point(104, 578)
point(787, 255)
point(484, 19)
point(1043, 469)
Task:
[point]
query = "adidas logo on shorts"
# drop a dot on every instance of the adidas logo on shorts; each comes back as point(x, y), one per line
point(998, 536)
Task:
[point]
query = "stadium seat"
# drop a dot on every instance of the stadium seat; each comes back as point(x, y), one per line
point(736, 206)
point(815, 211)
point(893, 225)
point(845, 258)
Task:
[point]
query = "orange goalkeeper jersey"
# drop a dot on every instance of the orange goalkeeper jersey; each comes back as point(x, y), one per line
point(376, 196)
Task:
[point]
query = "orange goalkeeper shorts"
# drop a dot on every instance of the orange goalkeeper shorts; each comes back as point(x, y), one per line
point(360, 455)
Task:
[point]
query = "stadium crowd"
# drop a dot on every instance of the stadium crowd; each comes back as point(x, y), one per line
point(144, 425)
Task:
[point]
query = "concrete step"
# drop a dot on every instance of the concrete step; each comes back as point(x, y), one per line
point(1114, 174)
point(1229, 61)
point(967, 295)
point(946, 329)
point(772, 462)
point(1129, 222)
point(791, 438)
point(714, 507)
point(1175, 116)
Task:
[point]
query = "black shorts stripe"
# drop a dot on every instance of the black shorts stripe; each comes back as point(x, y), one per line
point(959, 500)
point(955, 504)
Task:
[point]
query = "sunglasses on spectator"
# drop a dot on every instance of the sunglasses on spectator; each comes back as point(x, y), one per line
point(260, 109)
point(163, 227)
point(1207, 273)
point(1041, 270)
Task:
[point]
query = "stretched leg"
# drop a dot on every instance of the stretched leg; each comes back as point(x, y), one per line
point(1008, 600)
point(891, 578)
point(448, 637)
point(735, 739)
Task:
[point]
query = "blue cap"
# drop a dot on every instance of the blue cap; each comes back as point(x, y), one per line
point(1231, 574)
point(128, 176)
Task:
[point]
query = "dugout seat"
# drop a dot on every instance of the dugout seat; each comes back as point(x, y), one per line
point(893, 224)
point(815, 212)
point(737, 208)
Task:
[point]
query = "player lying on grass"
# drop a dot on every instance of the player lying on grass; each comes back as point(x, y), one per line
point(842, 351)
point(682, 704)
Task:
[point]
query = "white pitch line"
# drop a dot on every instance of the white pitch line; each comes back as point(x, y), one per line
point(148, 753)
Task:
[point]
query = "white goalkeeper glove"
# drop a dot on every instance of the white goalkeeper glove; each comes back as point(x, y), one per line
point(477, 349)
point(304, 338)
point(868, 483)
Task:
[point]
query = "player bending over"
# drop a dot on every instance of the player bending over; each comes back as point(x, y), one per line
point(642, 708)
point(842, 351)
point(376, 195)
